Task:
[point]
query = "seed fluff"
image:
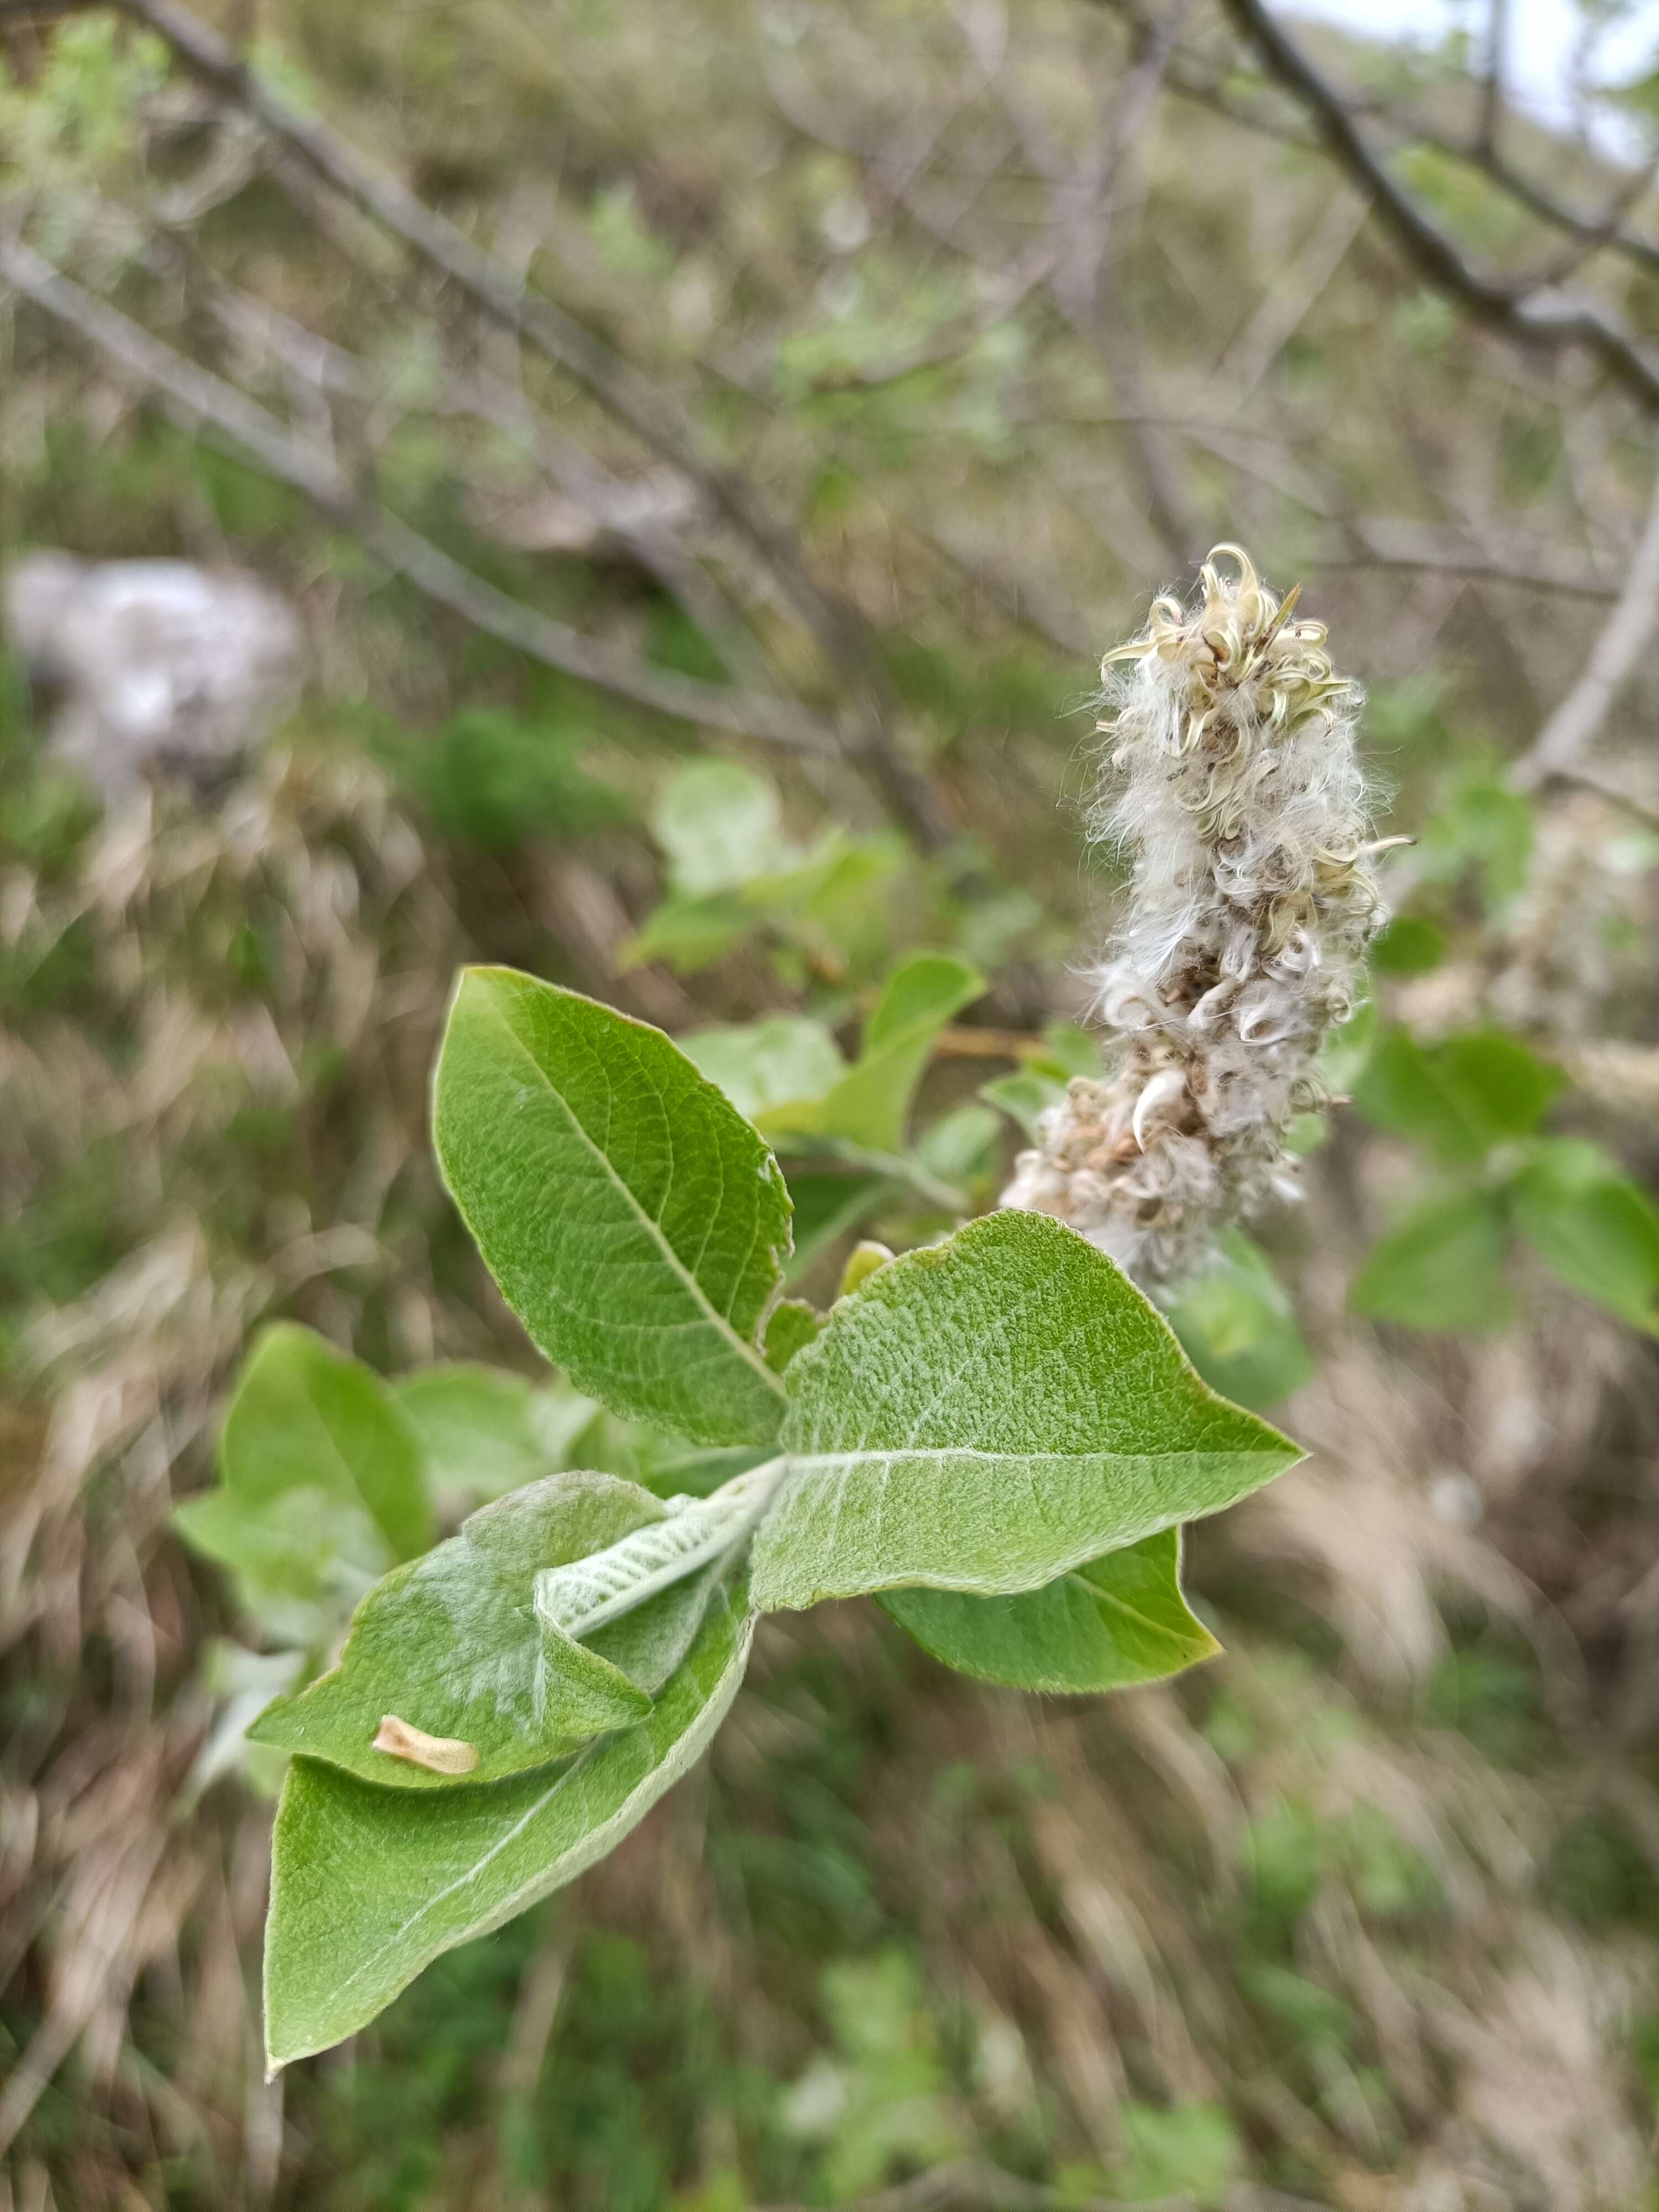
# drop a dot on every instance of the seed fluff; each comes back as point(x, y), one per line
point(1232, 781)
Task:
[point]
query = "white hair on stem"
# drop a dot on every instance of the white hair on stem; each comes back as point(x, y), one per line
point(1231, 777)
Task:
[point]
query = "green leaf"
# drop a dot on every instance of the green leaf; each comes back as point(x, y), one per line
point(635, 1222)
point(1107, 1624)
point(823, 902)
point(1593, 1227)
point(903, 1177)
point(453, 1645)
point(306, 1416)
point(1238, 1327)
point(1410, 945)
point(792, 1324)
point(986, 1413)
point(1460, 1097)
point(1073, 1050)
point(720, 825)
point(687, 934)
point(1503, 1090)
point(669, 1466)
point(321, 1487)
point(300, 1561)
point(832, 906)
point(958, 1145)
point(1027, 1095)
point(870, 1104)
point(1482, 824)
point(762, 1064)
point(1442, 1267)
point(862, 1262)
point(1398, 1093)
point(369, 1884)
point(828, 1207)
point(485, 1430)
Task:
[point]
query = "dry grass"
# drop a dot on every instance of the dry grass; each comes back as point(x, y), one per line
point(1293, 1887)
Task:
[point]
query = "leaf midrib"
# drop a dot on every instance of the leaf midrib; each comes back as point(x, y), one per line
point(716, 1319)
point(1098, 1596)
point(358, 1496)
point(886, 1455)
point(985, 1584)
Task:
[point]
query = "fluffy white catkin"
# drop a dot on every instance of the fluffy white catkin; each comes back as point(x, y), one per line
point(1231, 779)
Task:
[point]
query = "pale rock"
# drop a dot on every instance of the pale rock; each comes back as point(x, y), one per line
point(152, 665)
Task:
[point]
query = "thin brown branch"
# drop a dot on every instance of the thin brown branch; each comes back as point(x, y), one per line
point(1609, 784)
point(1071, 259)
point(1290, 299)
point(1004, 295)
point(1492, 90)
point(320, 368)
point(1086, 283)
point(1589, 229)
point(1017, 591)
point(1532, 316)
point(1193, 78)
point(201, 402)
point(1566, 737)
point(965, 1043)
point(1383, 542)
point(618, 387)
point(1606, 230)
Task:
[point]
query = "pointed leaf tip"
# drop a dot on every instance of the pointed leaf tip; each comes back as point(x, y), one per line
point(634, 1221)
point(989, 1412)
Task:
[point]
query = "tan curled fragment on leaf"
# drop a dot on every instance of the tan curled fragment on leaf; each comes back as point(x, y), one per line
point(443, 1754)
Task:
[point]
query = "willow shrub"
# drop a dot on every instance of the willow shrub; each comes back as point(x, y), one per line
point(997, 1436)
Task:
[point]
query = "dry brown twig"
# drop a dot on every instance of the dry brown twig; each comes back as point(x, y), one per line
point(1288, 300)
point(204, 402)
point(1560, 746)
point(319, 369)
point(1086, 200)
point(1529, 312)
point(617, 387)
point(1070, 260)
point(1532, 315)
point(1194, 78)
